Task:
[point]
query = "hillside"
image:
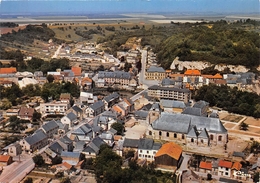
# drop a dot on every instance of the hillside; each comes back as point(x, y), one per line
point(217, 43)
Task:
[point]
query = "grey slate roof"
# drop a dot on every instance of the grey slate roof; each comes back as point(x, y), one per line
point(38, 136)
point(156, 107)
point(201, 104)
point(82, 130)
point(155, 87)
point(115, 74)
point(172, 103)
point(112, 131)
point(192, 111)
point(148, 144)
point(100, 120)
point(65, 139)
point(111, 97)
point(110, 114)
point(147, 107)
point(238, 154)
point(94, 145)
point(193, 132)
point(182, 123)
point(56, 147)
point(132, 143)
point(141, 114)
point(167, 82)
point(204, 134)
point(71, 116)
point(97, 105)
point(155, 69)
point(77, 109)
point(50, 126)
point(106, 136)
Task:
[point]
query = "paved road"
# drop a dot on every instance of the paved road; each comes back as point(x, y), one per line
point(17, 171)
point(142, 80)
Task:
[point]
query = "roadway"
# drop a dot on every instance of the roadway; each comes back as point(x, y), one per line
point(142, 81)
point(17, 171)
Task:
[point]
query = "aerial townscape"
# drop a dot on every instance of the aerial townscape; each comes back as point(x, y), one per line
point(130, 98)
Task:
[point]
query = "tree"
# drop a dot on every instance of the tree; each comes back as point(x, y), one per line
point(5, 104)
point(243, 126)
point(127, 66)
point(38, 160)
point(118, 127)
point(65, 180)
point(56, 160)
point(28, 180)
point(256, 177)
point(50, 78)
point(209, 176)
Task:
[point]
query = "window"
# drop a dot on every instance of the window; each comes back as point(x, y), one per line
point(141, 151)
point(160, 133)
point(192, 140)
point(220, 138)
point(211, 137)
point(175, 135)
point(167, 134)
point(150, 132)
point(140, 155)
point(201, 141)
point(226, 173)
point(226, 169)
point(149, 156)
point(182, 136)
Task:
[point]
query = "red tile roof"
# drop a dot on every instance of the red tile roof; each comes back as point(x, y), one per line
point(67, 165)
point(4, 158)
point(226, 164)
point(24, 111)
point(192, 72)
point(171, 149)
point(8, 70)
point(76, 70)
point(237, 166)
point(206, 165)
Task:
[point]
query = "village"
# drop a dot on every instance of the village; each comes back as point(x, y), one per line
point(157, 120)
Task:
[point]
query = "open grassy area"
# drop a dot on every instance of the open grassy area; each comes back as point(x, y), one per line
point(232, 118)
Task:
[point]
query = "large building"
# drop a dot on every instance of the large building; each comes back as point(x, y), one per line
point(155, 73)
point(117, 77)
point(169, 93)
point(188, 129)
point(56, 107)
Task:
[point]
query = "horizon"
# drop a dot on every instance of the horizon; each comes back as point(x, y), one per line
point(113, 7)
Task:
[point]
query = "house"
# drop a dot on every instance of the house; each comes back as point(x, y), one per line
point(147, 149)
point(71, 158)
point(84, 132)
point(63, 128)
point(205, 167)
point(169, 155)
point(26, 113)
point(48, 155)
point(64, 166)
point(12, 112)
point(87, 83)
point(190, 176)
point(56, 148)
point(141, 116)
point(95, 109)
point(130, 145)
point(14, 149)
point(127, 104)
point(108, 138)
point(76, 71)
point(110, 100)
point(35, 141)
point(65, 97)
point(120, 110)
point(5, 160)
point(8, 70)
point(50, 128)
point(224, 168)
point(236, 171)
point(189, 129)
point(155, 73)
point(55, 107)
point(93, 147)
point(77, 111)
point(66, 143)
point(104, 122)
point(70, 119)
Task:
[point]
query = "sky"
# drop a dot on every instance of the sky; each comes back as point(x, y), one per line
point(128, 6)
